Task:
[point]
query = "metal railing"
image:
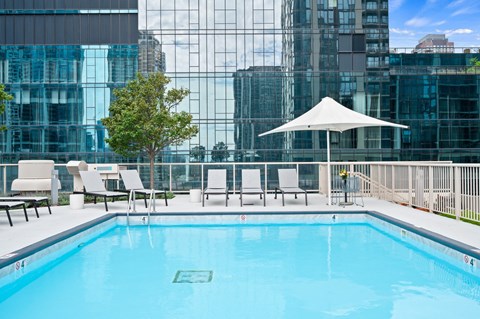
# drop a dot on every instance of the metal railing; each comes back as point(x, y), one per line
point(440, 187)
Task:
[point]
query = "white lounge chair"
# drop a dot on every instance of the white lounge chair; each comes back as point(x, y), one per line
point(9, 205)
point(288, 184)
point(34, 200)
point(216, 184)
point(131, 180)
point(34, 176)
point(93, 184)
point(251, 185)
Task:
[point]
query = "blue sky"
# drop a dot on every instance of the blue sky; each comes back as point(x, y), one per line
point(410, 20)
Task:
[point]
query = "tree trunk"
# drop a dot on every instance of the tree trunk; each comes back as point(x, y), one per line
point(152, 171)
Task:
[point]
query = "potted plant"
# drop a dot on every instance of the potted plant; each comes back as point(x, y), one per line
point(343, 174)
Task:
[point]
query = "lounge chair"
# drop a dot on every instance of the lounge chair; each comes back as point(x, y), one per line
point(34, 200)
point(34, 176)
point(131, 180)
point(9, 205)
point(251, 185)
point(288, 184)
point(216, 184)
point(93, 185)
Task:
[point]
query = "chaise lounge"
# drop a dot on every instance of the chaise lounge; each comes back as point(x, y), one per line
point(288, 184)
point(93, 184)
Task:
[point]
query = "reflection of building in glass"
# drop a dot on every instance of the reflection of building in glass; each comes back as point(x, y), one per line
point(338, 49)
point(439, 103)
point(257, 92)
point(60, 65)
point(150, 55)
point(434, 43)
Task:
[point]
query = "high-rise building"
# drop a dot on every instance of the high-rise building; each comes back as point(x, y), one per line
point(150, 55)
point(437, 96)
point(338, 49)
point(434, 43)
point(257, 91)
point(60, 61)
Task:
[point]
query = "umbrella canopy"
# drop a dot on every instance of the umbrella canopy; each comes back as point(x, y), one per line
point(333, 116)
point(329, 115)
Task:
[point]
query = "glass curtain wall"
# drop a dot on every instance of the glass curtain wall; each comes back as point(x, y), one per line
point(436, 94)
point(252, 65)
point(61, 61)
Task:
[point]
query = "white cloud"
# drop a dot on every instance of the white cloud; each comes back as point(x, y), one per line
point(400, 31)
point(417, 22)
point(395, 4)
point(449, 33)
point(455, 3)
point(466, 10)
point(439, 23)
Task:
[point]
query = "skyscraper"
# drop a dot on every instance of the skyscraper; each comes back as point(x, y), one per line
point(151, 58)
point(60, 60)
point(339, 49)
point(257, 92)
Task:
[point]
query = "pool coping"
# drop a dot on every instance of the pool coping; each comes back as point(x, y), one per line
point(25, 252)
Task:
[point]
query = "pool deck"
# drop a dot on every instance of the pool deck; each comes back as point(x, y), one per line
point(24, 234)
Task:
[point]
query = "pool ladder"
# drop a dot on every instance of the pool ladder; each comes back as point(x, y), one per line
point(132, 208)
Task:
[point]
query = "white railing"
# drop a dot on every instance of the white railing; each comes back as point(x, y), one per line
point(440, 187)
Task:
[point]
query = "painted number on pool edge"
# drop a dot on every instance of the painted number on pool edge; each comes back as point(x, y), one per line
point(20, 264)
point(469, 260)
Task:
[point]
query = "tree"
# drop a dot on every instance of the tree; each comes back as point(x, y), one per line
point(198, 153)
point(4, 96)
point(143, 119)
point(475, 65)
point(220, 152)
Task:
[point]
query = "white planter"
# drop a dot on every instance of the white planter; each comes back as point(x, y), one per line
point(76, 201)
point(195, 195)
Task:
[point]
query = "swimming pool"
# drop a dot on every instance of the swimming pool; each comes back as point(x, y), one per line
point(265, 267)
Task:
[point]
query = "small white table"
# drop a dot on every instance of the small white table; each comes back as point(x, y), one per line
point(76, 201)
point(195, 195)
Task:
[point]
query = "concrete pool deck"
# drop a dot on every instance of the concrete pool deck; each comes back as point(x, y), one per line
point(24, 234)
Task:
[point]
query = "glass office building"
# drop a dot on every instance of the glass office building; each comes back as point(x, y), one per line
point(61, 60)
point(437, 95)
point(250, 66)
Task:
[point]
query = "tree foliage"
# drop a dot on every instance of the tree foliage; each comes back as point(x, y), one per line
point(143, 119)
point(198, 153)
point(475, 65)
point(220, 152)
point(4, 96)
point(475, 62)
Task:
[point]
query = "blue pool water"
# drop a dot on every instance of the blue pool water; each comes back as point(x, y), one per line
point(340, 270)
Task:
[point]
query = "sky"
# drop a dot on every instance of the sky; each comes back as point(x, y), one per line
point(410, 20)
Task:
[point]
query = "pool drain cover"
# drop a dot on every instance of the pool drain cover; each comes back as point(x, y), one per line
point(193, 276)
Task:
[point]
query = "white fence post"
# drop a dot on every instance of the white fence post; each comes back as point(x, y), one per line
point(430, 188)
point(410, 185)
point(458, 191)
point(393, 183)
point(234, 186)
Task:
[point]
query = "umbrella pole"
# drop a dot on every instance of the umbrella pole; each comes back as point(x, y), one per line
point(328, 169)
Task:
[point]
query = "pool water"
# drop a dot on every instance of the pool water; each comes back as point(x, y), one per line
point(339, 270)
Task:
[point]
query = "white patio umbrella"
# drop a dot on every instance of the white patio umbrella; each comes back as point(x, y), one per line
point(329, 115)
